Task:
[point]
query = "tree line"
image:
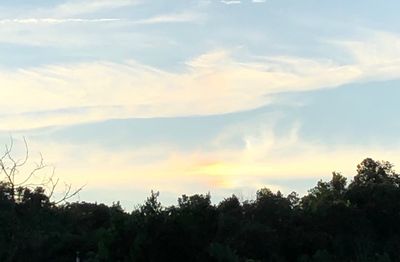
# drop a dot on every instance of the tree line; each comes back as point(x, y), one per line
point(334, 221)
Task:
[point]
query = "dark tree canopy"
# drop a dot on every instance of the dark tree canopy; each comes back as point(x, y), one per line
point(370, 172)
point(335, 221)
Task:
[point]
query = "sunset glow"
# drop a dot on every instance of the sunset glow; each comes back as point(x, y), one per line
point(127, 96)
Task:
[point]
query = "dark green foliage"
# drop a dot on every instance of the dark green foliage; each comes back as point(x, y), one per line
point(333, 222)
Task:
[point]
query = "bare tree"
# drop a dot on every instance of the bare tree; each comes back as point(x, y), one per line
point(40, 175)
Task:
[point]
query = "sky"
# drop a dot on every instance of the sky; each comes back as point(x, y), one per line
point(185, 97)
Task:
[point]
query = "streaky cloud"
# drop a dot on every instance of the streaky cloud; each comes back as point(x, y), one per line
point(76, 7)
point(264, 157)
point(57, 20)
point(231, 2)
point(171, 18)
point(212, 83)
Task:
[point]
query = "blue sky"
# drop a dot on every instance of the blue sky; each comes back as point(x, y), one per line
point(201, 96)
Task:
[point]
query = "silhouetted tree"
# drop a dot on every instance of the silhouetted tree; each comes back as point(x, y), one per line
point(333, 222)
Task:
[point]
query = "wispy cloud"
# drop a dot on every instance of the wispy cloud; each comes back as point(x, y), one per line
point(31, 21)
point(171, 18)
point(160, 19)
point(231, 2)
point(68, 10)
point(76, 7)
point(73, 32)
point(265, 157)
point(213, 83)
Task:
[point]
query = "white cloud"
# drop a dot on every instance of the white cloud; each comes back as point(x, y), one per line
point(258, 1)
point(70, 9)
point(50, 29)
point(213, 83)
point(30, 21)
point(161, 19)
point(77, 7)
point(166, 18)
point(231, 2)
point(171, 18)
point(265, 157)
point(378, 54)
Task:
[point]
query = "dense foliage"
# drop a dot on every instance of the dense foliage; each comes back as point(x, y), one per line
point(333, 222)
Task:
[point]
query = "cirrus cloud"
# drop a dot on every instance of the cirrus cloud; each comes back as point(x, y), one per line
point(212, 83)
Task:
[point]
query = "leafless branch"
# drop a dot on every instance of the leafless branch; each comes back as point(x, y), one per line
point(10, 168)
point(69, 194)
